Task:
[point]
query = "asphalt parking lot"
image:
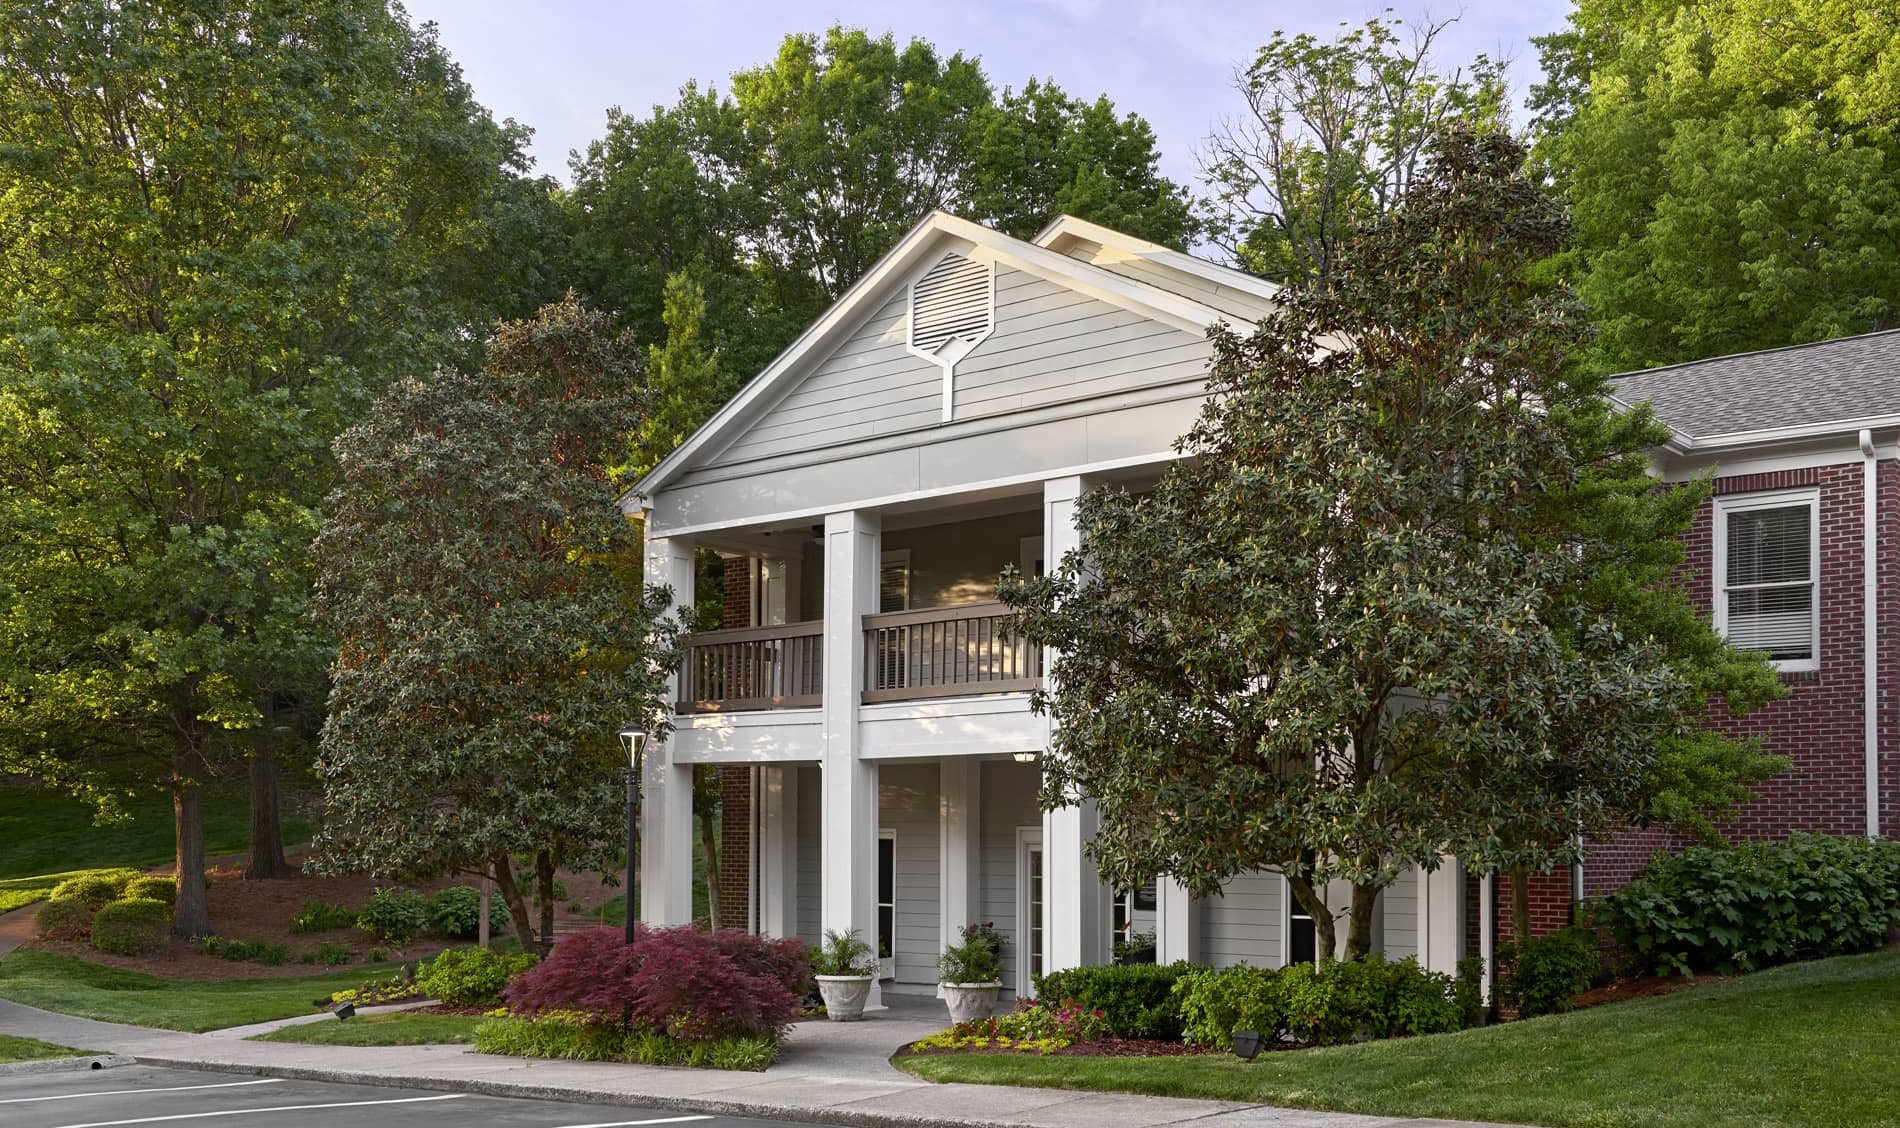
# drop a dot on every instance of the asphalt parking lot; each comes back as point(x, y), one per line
point(138, 1094)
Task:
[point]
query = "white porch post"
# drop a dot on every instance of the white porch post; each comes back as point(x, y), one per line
point(1441, 915)
point(1076, 900)
point(848, 836)
point(666, 804)
point(778, 850)
point(1177, 923)
point(958, 821)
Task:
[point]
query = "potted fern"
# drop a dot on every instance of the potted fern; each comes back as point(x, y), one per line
point(843, 965)
point(970, 972)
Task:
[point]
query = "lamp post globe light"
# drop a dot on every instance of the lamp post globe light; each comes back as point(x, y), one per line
point(634, 739)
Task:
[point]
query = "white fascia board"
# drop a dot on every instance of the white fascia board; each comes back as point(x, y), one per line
point(1069, 227)
point(1169, 308)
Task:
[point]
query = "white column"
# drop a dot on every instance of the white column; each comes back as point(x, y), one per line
point(666, 802)
point(958, 821)
point(778, 850)
point(1177, 923)
point(1441, 915)
point(848, 834)
point(1076, 901)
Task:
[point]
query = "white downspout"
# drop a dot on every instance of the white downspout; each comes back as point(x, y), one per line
point(1870, 625)
point(1487, 927)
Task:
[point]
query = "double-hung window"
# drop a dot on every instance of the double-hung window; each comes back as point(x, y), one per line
point(1767, 572)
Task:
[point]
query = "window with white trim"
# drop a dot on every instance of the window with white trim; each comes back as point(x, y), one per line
point(1767, 573)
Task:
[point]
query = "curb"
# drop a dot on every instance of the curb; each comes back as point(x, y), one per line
point(712, 1106)
point(62, 1065)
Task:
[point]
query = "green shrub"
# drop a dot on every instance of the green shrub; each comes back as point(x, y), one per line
point(245, 951)
point(151, 889)
point(331, 954)
point(977, 957)
point(1215, 1003)
point(96, 888)
point(1543, 975)
point(576, 1039)
point(1339, 1002)
point(1757, 904)
point(1137, 1000)
point(1468, 992)
point(455, 913)
point(64, 918)
point(133, 927)
point(471, 977)
point(394, 916)
point(321, 916)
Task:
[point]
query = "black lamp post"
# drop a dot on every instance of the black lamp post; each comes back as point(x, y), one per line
point(633, 739)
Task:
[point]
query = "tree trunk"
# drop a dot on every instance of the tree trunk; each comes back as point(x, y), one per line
point(267, 835)
point(1521, 904)
point(1324, 938)
point(1365, 898)
point(511, 896)
point(544, 891)
point(709, 842)
point(191, 915)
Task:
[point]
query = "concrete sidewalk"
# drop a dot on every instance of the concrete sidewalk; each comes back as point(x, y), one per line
point(829, 1073)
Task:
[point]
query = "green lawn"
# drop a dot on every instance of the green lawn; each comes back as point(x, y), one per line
point(15, 1048)
point(401, 1029)
point(71, 986)
point(1809, 1044)
point(42, 832)
point(17, 892)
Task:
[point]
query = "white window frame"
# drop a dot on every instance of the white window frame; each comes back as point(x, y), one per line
point(1718, 570)
point(1028, 839)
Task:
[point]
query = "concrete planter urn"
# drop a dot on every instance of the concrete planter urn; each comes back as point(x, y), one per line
point(844, 996)
point(970, 1001)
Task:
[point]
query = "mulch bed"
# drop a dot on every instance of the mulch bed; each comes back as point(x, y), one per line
point(1100, 1047)
point(1641, 987)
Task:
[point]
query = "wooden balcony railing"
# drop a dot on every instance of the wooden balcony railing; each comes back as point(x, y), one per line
point(780, 667)
point(946, 652)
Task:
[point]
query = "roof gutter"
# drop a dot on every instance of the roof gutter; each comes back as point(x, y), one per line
point(1870, 624)
point(1697, 444)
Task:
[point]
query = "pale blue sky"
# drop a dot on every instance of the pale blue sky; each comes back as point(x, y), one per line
point(557, 65)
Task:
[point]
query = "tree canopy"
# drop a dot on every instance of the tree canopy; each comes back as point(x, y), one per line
point(1341, 638)
point(1731, 167)
point(476, 573)
point(209, 263)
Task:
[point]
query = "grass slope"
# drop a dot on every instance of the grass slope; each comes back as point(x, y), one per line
point(1809, 1044)
point(43, 832)
point(15, 1048)
point(71, 986)
point(401, 1029)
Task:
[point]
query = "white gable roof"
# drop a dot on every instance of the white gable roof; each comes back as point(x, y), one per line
point(1181, 309)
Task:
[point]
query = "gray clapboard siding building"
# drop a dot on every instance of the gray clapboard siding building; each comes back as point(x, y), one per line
point(936, 425)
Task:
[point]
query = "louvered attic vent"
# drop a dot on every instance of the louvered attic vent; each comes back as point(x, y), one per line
point(952, 309)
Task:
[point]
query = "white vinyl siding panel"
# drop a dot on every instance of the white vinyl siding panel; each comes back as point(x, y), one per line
point(907, 807)
point(810, 870)
point(1008, 791)
point(1050, 344)
point(1243, 924)
point(1398, 907)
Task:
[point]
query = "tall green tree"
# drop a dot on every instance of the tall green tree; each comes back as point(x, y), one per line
point(222, 228)
point(1732, 170)
point(1334, 133)
point(1334, 642)
point(476, 573)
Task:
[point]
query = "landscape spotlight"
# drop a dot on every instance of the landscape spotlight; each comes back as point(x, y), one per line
point(345, 1011)
point(1247, 1044)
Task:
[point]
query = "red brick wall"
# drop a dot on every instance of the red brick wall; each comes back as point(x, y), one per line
point(735, 782)
point(1549, 903)
point(1818, 725)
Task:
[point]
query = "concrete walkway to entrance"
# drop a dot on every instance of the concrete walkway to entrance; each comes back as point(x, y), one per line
point(829, 1073)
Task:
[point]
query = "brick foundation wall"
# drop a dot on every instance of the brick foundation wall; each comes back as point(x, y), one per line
point(1549, 903)
point(734, 884)
point(1818, 725)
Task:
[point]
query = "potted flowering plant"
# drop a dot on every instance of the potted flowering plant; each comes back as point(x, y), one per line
point(843, 965)
point(970, 972)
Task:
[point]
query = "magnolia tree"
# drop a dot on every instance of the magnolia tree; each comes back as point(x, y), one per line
point(475, 571)
point(1341, 636)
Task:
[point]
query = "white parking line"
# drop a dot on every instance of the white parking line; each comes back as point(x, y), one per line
point(250, 1111)
point(134, 1092)
point(632, 1123)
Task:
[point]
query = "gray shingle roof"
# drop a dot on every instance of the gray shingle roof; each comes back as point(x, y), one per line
point(1825, 382)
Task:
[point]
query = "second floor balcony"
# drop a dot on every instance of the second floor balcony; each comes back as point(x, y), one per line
point(959, 650)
